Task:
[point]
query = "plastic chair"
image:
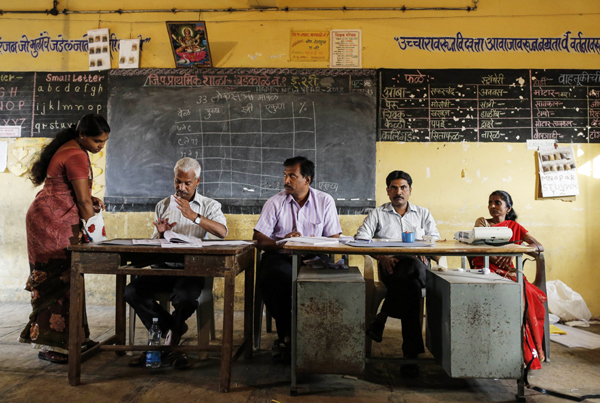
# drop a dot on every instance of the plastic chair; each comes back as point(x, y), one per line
point(259, 306)
point(540, 282)
point(375, 293)
point(205, 313)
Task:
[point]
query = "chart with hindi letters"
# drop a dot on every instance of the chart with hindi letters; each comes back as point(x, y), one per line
point(482, 105)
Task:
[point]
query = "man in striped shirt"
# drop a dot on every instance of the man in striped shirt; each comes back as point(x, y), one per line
point(191, 214)
point(298, 210)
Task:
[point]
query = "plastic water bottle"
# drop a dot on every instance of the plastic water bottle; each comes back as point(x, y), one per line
point(153, 357)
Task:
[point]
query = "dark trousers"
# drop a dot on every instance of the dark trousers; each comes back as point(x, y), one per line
point(276, 287)
point(403, 300)
point(184, 297)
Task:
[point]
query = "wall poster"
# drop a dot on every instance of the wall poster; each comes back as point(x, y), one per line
point(189, 42)
point(307, 46)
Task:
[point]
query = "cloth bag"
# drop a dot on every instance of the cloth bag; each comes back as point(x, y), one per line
point(565, 302)
point(93, 229)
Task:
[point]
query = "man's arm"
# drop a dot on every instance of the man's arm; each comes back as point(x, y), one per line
point(214, 222)
point(331, 221)
point(264, 242)
point(215, 228)
point(160, 225)
point(368, 227)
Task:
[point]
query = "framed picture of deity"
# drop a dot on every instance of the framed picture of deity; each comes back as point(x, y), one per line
point(189, 42)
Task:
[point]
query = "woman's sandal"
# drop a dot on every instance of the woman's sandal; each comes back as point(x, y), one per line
point(56, 358)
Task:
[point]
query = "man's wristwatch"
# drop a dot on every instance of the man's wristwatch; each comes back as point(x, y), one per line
point(198, 219)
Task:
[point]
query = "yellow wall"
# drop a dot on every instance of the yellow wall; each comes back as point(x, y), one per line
point(453, 180)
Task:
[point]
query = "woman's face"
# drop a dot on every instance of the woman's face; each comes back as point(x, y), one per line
point(93, 144)
point(497, 207)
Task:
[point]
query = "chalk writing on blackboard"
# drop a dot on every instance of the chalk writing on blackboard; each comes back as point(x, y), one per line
point(241, 124)
point(489, 105)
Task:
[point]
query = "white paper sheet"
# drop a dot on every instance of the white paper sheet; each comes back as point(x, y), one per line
point(181, 245)
point(10, 131)
point(221, 243)
point(158, 241)
point(311, 240)
point(129, 53)
point(3, 155)
point(99, 49)
point(576, 338)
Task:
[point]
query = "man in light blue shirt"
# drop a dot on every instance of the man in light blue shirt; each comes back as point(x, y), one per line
point(404, 276)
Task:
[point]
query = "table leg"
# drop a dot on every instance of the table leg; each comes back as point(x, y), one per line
point(120, 319)
point(248, 309)
point(521, 381)
point(227, 345)
point(295, 268)
point(75, 321)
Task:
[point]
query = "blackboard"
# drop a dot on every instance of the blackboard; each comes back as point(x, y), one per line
point(44, 103)
point(62, 99)
point(240, 124)
point(454, 105)
point(16, 100)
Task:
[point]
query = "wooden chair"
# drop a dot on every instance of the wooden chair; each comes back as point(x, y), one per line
point(376, 291)
point(205, 313)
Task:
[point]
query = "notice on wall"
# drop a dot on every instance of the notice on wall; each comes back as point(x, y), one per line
point(10, 131)
point(3, 155)
point(99, 45)
point(558, 174)
point(129, 53)
point(309, 46)
point(346, 48)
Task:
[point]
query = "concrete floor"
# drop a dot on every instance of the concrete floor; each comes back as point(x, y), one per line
point(108, 378)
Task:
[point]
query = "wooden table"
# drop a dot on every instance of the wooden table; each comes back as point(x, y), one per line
point(118, 260)
point(448, 248)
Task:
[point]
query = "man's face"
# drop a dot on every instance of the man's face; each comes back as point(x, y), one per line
point(185, 184)
point(293, 181)
point(399, 192)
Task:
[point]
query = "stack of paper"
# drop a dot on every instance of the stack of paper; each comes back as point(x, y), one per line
point(311, 240)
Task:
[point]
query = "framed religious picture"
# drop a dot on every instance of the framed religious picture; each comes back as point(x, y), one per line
point(189, 42)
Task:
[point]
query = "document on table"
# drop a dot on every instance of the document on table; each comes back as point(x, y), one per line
point(118, 242)
point(384, 244)
point(180, 245)
point(3, 155)
point(225, 242)
point(157, 241)
point(311, 240)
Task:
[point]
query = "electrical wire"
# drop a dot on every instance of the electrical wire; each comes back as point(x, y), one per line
point(54, 11)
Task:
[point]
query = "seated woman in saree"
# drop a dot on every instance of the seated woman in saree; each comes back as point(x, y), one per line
point(53, 224)
point(501, 209)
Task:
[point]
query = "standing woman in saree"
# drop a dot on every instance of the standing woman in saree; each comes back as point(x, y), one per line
point(53, 224)
point(501, 209)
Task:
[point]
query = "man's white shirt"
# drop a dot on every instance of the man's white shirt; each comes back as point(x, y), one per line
point(206, 207)
point(385, 222)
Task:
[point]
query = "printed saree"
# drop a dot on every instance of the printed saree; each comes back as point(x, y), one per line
point(52, 225)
